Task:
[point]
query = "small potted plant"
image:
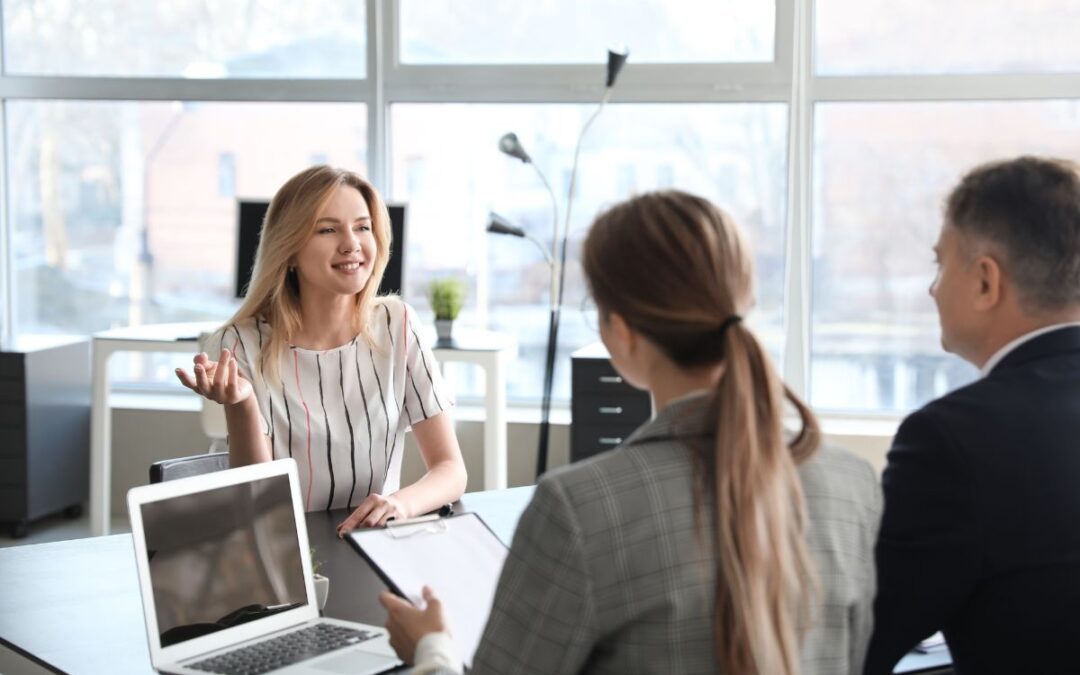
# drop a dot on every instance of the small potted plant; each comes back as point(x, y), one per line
point(322, 584)
point(446, 297)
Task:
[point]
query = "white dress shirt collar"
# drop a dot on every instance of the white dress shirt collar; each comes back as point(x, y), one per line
point(1000, 354)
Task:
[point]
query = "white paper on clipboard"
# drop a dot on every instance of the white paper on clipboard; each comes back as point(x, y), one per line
point(458, 556)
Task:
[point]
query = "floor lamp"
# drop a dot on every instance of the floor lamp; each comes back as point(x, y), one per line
point(556, 257)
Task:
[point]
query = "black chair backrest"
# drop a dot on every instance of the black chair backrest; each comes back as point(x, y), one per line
point(182, 467)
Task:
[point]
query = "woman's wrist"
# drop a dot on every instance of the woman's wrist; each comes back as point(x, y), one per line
point(404, 506)
point(245, 406)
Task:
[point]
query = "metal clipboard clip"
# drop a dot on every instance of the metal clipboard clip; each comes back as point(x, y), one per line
point(400, 529)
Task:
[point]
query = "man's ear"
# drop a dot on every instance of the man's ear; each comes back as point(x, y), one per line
point(990, 279)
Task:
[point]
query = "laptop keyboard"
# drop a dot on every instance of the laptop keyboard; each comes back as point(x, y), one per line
point(284, 650)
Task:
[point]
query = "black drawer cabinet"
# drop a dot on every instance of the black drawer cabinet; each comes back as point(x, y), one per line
point(44, 429)
point(605, 409)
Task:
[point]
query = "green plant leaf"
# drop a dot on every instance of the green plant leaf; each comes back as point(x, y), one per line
point(446, 297)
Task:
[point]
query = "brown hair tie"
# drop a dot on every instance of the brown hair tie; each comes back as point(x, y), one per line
point(728, 323)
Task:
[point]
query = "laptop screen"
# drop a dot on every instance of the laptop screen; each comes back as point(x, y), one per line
point(223, 557)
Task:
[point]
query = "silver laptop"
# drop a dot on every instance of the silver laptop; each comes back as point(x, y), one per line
point(225, 577)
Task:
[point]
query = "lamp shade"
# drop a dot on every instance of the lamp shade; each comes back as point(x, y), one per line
point(499, 225)
point(510, 145)
point(615, 60)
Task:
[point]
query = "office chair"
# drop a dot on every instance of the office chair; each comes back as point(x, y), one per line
point(183, 467)
point(212, 417)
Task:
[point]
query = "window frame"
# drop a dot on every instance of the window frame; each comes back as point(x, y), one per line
point(790, 78)
point(941, 88)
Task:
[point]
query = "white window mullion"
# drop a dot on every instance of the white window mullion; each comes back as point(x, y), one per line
point(797, 291)
point(638, 83)
point(7, 314)
point(783, 50)
point(7, 298)
point(378, 160)
point(179, 89)
point(953, 87)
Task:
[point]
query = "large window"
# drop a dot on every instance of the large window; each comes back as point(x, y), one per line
point(883, 164)
point(185, 38)
point(947, 36)
point(881, 173)
point(832, 130)
point(124, 213)
point(731, 153)
point(569, 31)
point(117, 211)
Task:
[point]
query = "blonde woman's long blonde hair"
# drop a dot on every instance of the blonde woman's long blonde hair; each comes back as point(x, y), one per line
point(273, 295)
point(677, 269)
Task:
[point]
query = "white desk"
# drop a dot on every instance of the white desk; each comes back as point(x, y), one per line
point(73, 606)
point(491, 351)
point(163, 337)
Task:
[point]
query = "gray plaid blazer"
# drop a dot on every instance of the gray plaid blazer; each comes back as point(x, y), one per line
point(605, 575)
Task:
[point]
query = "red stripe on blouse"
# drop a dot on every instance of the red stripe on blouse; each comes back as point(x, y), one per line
point(307, 422)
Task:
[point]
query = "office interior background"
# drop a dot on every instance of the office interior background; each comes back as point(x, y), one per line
point(830, 129)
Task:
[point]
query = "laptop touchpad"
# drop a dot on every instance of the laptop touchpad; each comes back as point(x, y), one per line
point(355, 662)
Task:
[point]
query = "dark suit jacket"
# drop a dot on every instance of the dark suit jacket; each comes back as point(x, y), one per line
point(981, 532)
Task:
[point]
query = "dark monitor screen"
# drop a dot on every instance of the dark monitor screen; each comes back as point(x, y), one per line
point(223, 557)
point(394, 276)
point(250, 221)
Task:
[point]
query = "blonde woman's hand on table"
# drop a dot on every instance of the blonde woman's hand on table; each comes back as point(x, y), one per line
point(374, 511)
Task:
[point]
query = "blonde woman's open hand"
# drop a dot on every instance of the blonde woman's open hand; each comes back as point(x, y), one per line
point(218, 380)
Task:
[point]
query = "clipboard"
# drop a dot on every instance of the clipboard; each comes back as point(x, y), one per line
point(458, 556)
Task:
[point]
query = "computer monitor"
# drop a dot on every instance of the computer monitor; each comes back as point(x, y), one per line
point(394, 276)
point(250, 215)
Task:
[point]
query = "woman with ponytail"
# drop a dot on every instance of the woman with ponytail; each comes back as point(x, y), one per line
point(713, 540)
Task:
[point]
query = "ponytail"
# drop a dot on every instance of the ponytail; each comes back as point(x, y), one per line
point(764, 574)
point(701, 270)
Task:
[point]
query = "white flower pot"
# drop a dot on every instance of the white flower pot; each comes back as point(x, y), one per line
point(322, 589)
point(444, 328)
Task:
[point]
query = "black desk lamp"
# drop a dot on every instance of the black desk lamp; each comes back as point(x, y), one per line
point(556, 258)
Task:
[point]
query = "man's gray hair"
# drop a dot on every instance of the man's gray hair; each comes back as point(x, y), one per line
point(1029, 209)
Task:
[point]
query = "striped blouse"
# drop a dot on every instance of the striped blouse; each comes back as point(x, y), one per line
point(342, 413)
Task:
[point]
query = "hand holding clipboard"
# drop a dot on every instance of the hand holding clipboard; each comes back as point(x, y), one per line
point(459, 557)
point(408, 623)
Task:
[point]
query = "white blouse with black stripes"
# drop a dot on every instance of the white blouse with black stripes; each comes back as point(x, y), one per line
point(342, 413)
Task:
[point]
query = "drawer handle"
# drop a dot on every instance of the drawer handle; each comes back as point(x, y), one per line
point(611, 410)
point(611, 379)
point(609, 440)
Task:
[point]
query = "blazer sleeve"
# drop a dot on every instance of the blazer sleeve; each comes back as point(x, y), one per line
point(862, 611)
point(927, 554)
point(542, 618)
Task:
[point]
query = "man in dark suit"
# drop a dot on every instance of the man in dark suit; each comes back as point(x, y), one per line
point(980, 537)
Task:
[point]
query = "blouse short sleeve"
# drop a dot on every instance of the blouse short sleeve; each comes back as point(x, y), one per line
point(244, 342)
point(426, 393)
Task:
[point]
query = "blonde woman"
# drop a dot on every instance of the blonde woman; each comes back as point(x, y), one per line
point(711, 540)
point(315, 367)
